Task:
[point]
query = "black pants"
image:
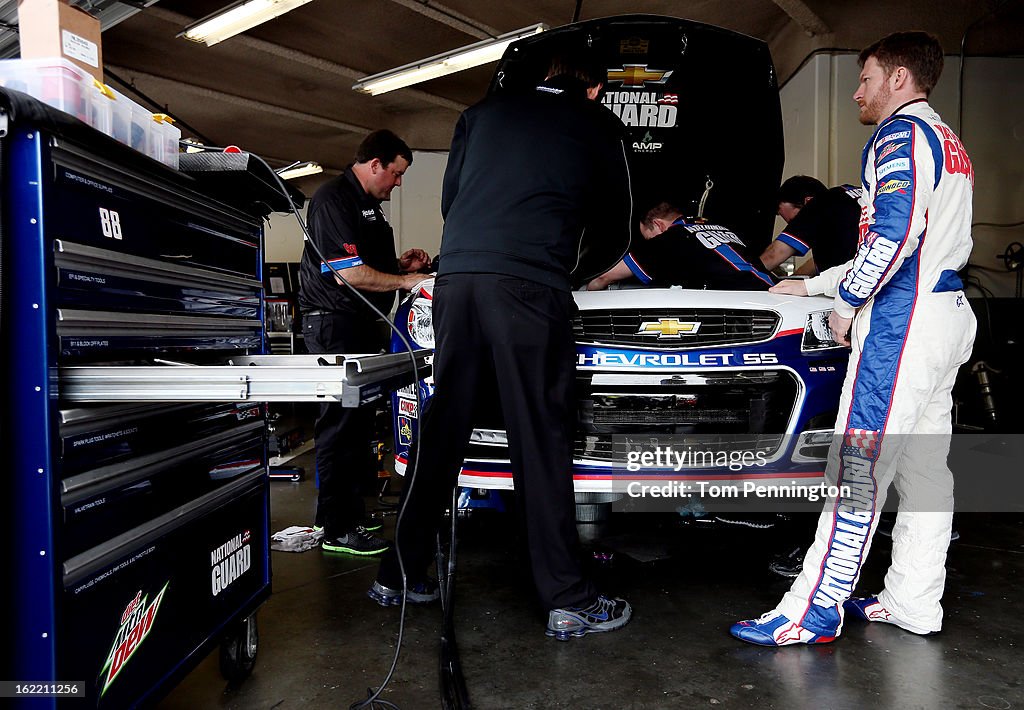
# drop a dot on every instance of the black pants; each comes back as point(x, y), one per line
point(523, 331)
point(342, 434)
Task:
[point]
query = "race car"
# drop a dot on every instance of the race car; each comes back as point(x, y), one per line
point(746, 383)
point(751, 378)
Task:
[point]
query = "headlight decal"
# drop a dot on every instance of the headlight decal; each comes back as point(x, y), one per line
point(421, 322)
point(817, 335)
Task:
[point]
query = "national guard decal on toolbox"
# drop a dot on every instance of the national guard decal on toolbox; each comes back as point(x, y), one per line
point(229, 561)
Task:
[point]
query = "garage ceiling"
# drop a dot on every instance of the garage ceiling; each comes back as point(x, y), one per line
point(283, 89)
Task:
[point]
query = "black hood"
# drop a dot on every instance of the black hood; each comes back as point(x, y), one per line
point(698, 102)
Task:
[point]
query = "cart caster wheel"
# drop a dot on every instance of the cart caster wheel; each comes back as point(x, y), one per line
point(238, 650)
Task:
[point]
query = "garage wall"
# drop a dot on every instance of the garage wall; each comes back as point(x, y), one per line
point(414, 212)
point(993, 133)
point(283, 238)
point(825, 139)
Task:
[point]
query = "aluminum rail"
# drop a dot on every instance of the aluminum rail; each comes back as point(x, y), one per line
point(352, 380)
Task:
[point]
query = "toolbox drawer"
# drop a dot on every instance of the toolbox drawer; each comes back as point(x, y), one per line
point(110, 335)
point(91, 437)
point(160, 591)
point(103, 279)
point(105, 502)
point(113, 207)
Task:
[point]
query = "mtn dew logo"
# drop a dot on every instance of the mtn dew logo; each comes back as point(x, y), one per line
point(136, 623)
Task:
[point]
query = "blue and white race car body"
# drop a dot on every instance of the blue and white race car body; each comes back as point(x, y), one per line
point(749, 378)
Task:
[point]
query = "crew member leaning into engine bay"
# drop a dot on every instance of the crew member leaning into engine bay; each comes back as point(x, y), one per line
point(675, 252)
point(818, 220)
point(912, 328)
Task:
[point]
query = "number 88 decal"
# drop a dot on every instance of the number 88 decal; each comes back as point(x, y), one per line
point(110, 222)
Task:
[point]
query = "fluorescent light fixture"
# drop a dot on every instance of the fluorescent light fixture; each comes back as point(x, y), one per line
point(235, 18)
point(297, 170)
point(473, 55)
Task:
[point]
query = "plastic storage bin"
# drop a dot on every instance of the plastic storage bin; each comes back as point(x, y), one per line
point(165, 140)
point(66, 87)
point(132, 123)
point(121, 119)
point(101, 108)
point(56, 82)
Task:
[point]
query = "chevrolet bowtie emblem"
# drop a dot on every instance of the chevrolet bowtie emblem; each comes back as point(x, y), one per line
point(666, 328)
point(638, 75)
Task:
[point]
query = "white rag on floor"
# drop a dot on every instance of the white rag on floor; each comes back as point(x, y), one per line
point(297, 538)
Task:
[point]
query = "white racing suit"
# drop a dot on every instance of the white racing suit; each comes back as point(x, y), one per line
point(912, 329)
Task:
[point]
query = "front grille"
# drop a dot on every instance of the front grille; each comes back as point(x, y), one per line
point(714, 416)
point(609, 447)
point(718, 326)
point(733, 411)
point(614, 447)
point(733, 402)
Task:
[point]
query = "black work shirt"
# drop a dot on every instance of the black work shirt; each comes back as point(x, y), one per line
point(349, 228)
point(695, 256)
point(828, 225)
point(536, 187)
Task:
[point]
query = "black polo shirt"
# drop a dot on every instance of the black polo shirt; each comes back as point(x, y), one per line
point(828, 226)
point(349, 228)
point(696, 256)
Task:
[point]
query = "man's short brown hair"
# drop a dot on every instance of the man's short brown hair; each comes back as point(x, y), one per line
point(662, 210)
point(919, 52)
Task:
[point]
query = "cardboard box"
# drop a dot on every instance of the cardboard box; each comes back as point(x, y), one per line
point(52, 28)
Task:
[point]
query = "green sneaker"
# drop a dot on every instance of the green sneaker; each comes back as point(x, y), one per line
point(358, 541)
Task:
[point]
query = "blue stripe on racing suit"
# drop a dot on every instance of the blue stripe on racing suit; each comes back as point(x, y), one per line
point(790, 240)
point(898, 220)
point(635, 268)
point(739, 263)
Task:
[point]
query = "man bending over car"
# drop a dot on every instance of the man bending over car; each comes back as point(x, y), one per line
point(675, 252)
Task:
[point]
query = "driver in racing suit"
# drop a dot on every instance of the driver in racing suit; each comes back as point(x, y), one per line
point(911, 330)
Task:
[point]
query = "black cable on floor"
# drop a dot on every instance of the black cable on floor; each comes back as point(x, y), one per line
point(454, 695)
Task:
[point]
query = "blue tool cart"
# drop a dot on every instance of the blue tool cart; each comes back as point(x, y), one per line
point(138, 531)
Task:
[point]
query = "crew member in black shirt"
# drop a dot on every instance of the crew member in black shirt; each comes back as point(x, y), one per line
point(529, 175)
point(819, 220)
point(675, 252)
point(349, 228)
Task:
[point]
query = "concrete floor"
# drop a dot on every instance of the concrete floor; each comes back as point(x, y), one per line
point(323, 643)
